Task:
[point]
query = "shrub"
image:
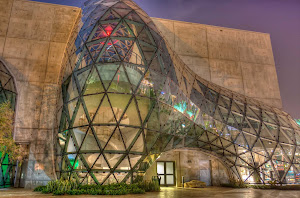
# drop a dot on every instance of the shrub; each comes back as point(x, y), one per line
point(61, 187)
point(39, 188)
point(59, 192)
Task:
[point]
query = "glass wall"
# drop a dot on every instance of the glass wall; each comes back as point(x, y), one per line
point(126, 100)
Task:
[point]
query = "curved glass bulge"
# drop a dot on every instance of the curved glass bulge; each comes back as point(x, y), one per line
point(126, 100)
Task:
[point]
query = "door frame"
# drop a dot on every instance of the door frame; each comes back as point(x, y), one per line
point(165, 174)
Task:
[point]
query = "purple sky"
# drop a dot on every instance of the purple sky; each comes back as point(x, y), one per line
point(280, 18)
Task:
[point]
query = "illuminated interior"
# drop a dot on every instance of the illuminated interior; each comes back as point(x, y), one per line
point(125, 102)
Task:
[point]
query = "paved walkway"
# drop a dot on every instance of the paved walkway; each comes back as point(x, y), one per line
point(215, 192)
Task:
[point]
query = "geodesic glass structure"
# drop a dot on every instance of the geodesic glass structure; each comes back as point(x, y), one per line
point(7, 94)
point(127, 97)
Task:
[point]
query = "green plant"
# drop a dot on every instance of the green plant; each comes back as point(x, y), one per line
point(273, 183)
point(7, 143)
point(39, 188)
point(61, 187)
point(59, 192)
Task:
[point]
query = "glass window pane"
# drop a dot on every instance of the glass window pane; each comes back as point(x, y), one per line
point(162, 180)
point(170, 179)
point(160, 168)
point(169, 168)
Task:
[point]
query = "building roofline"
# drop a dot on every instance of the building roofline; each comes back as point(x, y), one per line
point(193, 23)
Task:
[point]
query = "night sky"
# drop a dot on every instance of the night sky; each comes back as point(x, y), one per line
point(280, 18)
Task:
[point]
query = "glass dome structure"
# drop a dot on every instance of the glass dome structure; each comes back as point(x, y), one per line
point(127, 97)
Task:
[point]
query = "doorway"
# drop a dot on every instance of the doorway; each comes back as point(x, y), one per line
point(166, 172)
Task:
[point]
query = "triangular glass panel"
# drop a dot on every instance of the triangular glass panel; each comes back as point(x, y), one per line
point(143, 106)
point(107, 73)
point(240, 141)
point(110, 55)
point(129, 135)
point(113, 159)
point(72, 106)
point(134, 17)
point(122, 12)
point(138, 145)
point(81, 78)
point(231, 149)
point(250, 140)
point(110, 180)
point(283, 137)
point(72, 89)
point(297, 156)
point(81, 118)
point(116, 142)
point(105, 114)
point(109, 28)
point(154, 120)
point(99, 162)
point(123, 47)
point(94, 84)
point(136, 28)
point(253, 112)
point(148, 50)
point(122, 31)
point(178, 142)
point(225, 142)
point(146, 37)
point(135, 56)
point(133, 114)
point(119, 103)
point(247, 126)
point(92, 103)
point(78, 164)
point(259, 147)
point(89, 142)
point(217, 142)
point(110, 15)
point(72, 146)
point(120, 176)
point(99, 34)
point(121, 5)
point(134, 159)
point(95, 49)
point(151, 137)
point(101, 176)
point(120, 83)
point(124, 165)
point(169, 146)
point(266, 133)
point(203, 137)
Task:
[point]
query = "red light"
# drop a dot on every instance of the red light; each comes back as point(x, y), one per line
point(108, 30)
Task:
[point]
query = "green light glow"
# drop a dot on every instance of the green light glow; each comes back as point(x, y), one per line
point(298, 122)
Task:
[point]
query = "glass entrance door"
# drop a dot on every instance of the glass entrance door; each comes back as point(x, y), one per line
point(166, 171)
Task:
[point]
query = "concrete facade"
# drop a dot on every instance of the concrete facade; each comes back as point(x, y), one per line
point(241, 61)
point(33, 39)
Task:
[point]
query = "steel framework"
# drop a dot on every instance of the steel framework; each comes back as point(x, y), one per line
point(127, 97)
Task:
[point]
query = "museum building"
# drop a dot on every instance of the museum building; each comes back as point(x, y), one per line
point(106, 94)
